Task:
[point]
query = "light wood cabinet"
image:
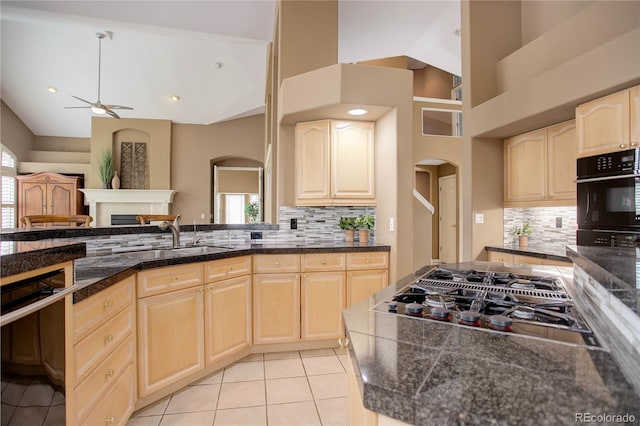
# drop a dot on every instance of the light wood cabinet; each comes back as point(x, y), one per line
point(323, 299)
point(367, 273)
point(497, 256)
point(540, 167)
point(121, 402)
point(603, 125)
point(276, 263)
point(217, 270)
point(49, 193)
point(335, 163)
point(227, 318)
point(169, 278)
point(519, 259)
point(276, 308)
point(170, 338)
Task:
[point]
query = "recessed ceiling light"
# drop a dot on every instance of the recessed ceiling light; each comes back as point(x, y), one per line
point(358, 111)
point(217, 65)
point(175, 98)
point(52, 89)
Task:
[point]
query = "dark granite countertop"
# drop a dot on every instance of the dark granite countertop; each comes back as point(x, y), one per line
point(425, 372)
point(23, 256)
point(542, 251)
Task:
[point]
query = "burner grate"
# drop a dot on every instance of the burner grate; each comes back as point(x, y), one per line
point(547, 294)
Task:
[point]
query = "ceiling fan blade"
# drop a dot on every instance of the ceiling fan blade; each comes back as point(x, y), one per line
point(117, 107)
point(77, 107)
point(80, 99)
point(111, 113)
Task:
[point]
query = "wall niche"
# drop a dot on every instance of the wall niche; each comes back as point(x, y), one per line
point(131, 158)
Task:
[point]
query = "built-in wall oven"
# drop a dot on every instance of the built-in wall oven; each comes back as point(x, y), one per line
point(608, 199)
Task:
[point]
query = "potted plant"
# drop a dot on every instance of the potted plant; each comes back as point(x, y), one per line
point(106, 168)
point(253, 211)
point(523, 234)
point(364, 223)
point(348, 224)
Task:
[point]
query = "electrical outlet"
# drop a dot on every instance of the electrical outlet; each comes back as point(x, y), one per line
point(558, 222)
point(294, 224)
point(256, 235)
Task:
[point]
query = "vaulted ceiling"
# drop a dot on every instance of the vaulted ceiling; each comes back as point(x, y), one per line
point(212, 54)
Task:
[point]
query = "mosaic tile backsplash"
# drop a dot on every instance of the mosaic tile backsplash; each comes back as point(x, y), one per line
point(544, 221)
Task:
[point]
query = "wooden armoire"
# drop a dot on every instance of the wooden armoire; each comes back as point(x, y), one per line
point(49, 193)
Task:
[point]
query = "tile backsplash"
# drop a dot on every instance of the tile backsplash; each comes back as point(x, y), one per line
point(544, 221)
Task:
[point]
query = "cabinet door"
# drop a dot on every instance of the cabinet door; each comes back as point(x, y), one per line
point(634, 106)
point(61, 199)
point(170, 338)
point(33, 200)
point(276, 308)
point(525, 167)
point(227, 318)
point(323, 299)
point(312, 161)
point(362, 284)
point(562, 151)
point(526, 260)
point(603, 125)
point(496, 256)
point(352, 160)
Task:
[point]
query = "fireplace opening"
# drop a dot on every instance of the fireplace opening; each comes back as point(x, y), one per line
point(124, 219)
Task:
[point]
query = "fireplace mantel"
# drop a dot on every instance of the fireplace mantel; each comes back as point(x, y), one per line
point(105, 202)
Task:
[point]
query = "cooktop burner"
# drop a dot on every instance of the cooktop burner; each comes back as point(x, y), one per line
point(505, 302)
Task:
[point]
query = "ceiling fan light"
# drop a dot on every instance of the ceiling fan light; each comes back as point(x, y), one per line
point(98, 110)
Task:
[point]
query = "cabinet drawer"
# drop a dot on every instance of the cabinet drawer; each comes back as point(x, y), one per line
point(91, 312)
point(276, 263)
point(526, 260)
point(318, 262)
point(170, 278)
point(222, 269)
point(96, 346)
point(367, 260)
point(94, 387)
point(118, 404)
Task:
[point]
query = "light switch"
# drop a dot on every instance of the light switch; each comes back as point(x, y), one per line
point(479, 218)
point(392, 225)
point(201, 215)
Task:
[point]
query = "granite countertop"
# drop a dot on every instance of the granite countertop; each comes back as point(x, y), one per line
point(424, 372)
point(23, 256)
point(616, 268)
point(544, 251)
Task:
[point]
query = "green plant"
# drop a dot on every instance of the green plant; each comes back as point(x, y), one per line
point(106, 167)
point(365, 221)
point(347, 223)
point(526, 229)
point(253, 211)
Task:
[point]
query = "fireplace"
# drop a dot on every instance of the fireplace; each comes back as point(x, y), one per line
point(105, 203)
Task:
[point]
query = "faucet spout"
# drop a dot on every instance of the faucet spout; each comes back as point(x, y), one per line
point(175, 230)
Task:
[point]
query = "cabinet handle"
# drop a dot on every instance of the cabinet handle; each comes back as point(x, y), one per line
point(277, 263)
point(368, 261)
point(108, 339)
point(633, 144)
point(110, 373)
point(111, 420)
point(230, 268)
point(343, 342)
point(324, 262)
point(108, 304)
point(622, 145)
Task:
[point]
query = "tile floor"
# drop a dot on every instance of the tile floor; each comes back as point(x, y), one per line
point(306, 388)
point(31, 401)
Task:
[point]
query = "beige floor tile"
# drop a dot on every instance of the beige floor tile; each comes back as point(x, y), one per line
point(194, 398)
point(201, 418)
point(344, 360)
point(155, 409)
point(281, 368)
point(249, 416)
point(211, 379)
point(55, 416)
point(294, 414)
point(244, 372)
point(322, 365)
point(340, 351)
point(334, 411)
point(144, 421)
point(242, 394)
point(329, 385)
point(281, 355)
point(280, 391)
point(39, 394)
point(252, 357)
point(317, 352)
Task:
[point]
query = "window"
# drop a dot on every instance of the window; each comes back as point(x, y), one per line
point(8, 194)
point(235, 208)
point(441, 121)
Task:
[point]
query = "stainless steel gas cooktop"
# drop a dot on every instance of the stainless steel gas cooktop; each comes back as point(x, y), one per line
point(501, 302)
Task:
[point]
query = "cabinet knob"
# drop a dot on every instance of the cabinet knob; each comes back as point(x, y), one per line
point(174, 278)
point(277, 263)
point(111, 420)
point(633, 144)
point(343, 342)
point(368, 261)
point(110, 373)
point(108, 339)
point(108, 304)
point(622, 145)
point(324, 262)
point(230, 268)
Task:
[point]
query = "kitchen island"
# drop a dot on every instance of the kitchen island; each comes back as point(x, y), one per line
point(427, 372)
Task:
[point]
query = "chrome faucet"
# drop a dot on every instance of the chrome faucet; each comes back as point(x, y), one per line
point(175, 230)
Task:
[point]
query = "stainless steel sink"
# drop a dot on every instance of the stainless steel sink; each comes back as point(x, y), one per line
point(177, 252)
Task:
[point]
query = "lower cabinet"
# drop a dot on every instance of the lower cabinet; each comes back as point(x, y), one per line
point(517, 259)
point(362, 284)
point(323, 299)
point(170, 338)
point(276, 308)
point(121, 402)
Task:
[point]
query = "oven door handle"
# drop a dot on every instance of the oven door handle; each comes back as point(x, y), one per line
point(36, 306)
point(600, 179)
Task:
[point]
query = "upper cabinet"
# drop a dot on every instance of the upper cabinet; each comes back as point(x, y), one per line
point(334, 163)
point(609, 124)
point(540, 167)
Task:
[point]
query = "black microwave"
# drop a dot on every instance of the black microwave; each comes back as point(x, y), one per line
point(608, 191)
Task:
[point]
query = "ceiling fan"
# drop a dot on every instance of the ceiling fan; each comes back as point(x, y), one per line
point(98, 107)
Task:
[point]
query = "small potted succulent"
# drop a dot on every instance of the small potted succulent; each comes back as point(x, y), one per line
point(364, 223)
point(348, 224)
point(253, 211)
point(523, 233)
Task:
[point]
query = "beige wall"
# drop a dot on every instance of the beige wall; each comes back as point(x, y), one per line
point(104, 134)
point(192, 150)
point(432, 82)
point(66, 144)
point(394, 62)
point(538, 17)
point(15, 134)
